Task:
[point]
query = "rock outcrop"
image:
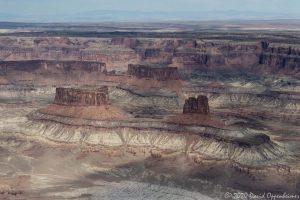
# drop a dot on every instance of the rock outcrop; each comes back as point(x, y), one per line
point(82, 97)
point(83, 104)
point(128, 42)
point(159, 73)
point(286, 59)
point(45, 66)
point(245, 147)
point(196, 105)
point(248, 56)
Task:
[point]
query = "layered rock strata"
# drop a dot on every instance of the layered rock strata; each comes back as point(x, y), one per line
point(84, 104)
point(82, 97)
point(243, 146)
point(229, 55)
point(159, 73)
point(197, 105)
point(254, 56)
point(46, 66)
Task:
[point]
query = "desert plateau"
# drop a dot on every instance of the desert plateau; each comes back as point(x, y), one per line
point(149, 111)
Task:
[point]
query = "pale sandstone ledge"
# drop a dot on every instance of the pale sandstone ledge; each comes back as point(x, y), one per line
point(107, 112)
point(246, 147)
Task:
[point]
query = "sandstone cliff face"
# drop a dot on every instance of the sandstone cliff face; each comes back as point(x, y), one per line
point(43, 66)
point(65, 49)
point(82, 97)
point(285, 59)
point(196, 105)
point(128, 42)
point(53, 41)
point(159, 73)
point(228, 55)
point(192, 59)
point(253, 56)
point(218, 54)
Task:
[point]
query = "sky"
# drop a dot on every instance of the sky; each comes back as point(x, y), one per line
point(68, 7)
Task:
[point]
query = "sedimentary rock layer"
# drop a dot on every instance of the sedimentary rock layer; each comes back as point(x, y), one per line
point(82, 97)
point(159, 73)
point(253, 56)
point(46, 66)
point(196, 105)
point(246, 147)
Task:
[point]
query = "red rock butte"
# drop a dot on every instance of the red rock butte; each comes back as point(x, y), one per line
point(82, 97)
point(196, 105)
point(159, 73)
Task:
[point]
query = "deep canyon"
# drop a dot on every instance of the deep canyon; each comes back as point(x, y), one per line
point(140, 115)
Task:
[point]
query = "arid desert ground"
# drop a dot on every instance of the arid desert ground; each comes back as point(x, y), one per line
point(149, 111)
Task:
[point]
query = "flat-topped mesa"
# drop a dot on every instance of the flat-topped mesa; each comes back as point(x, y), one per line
point(82, 97)
point(50, 66)
point(196, 105)
point(159, 73)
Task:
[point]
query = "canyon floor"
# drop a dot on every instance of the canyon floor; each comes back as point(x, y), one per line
point(141, 145)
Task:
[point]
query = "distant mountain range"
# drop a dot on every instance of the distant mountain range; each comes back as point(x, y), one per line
point(136, 16)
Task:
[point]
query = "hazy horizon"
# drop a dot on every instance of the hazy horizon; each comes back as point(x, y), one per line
point(142, 10)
